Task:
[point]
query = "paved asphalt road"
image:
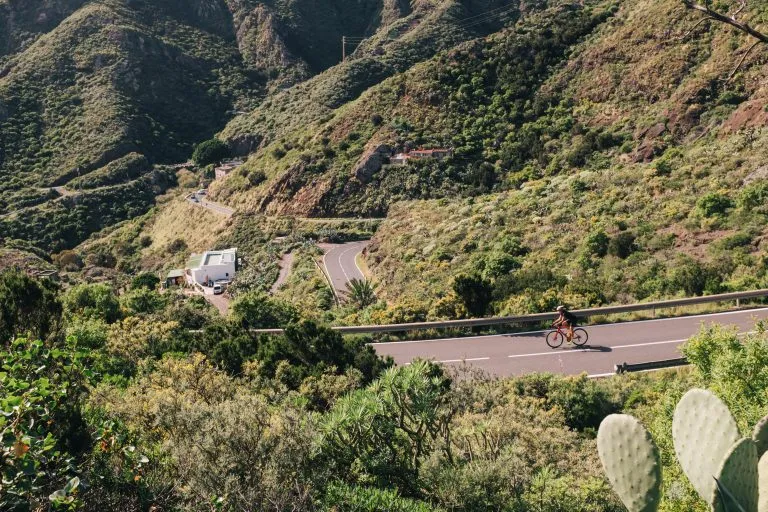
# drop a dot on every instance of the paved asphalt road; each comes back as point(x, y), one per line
point(200, 200)
point(340, 265)
point(610, 344)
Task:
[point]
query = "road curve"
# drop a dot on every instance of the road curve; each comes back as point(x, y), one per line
point(609, 344)
point(341, 265)
point(199, 200)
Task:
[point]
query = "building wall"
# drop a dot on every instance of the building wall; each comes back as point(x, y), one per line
point(213, 273)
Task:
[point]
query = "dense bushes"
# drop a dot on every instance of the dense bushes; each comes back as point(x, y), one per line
point(27, 306)
point(312, 421)
point(210, 152)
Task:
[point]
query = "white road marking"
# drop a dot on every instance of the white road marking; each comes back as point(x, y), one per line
point(465, 359)
point(589, 327)
point(556, 353)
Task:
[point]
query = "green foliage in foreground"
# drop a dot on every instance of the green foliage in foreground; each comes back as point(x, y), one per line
point(148, 414)
point(42, 432)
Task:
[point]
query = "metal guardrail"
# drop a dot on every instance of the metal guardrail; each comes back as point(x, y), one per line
point(540, 317)
point(651, 365)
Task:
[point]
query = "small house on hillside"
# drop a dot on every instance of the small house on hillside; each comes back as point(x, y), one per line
point(175, 277)
point(227, 167)
point(211, 266)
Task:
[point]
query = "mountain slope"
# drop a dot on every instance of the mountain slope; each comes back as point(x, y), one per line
point(83, 84)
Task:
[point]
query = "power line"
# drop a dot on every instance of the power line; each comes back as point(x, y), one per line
point(468, 22)
point(487, 17)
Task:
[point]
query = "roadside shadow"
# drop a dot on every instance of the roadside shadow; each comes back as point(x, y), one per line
point(524, 335)
point(594, 348)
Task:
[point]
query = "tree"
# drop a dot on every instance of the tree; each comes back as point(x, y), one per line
point(360, 292)
point(474, 291)
point(311, 349)
point(143, 300)
point(380, 434)
point(728, 19)
point(92, 301)
point(28, 305)
point(210, 152)
point(254, 310)
point(145, 280)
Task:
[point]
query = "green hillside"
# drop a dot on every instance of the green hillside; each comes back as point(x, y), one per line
point(85, 84)
point(607, 158)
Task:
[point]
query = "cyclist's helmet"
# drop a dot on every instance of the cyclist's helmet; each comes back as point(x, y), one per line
point(561, 308)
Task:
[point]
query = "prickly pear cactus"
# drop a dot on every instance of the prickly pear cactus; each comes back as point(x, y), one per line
point(738, 474)
point(762, 472)
point(760, 436)
point(631, 461)
point(703, 431)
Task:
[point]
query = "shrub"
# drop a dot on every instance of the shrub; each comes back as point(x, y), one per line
point(96, 301)
point(404, 414)
point(27, 306)
point(41, 425)
point(254, 310)
point(501, 264)
point(688, 275)
point(256, 178)
point(177, 246)
point(474, 291)
point(596, 243)
point(754, 196)
point(145, 280)
point(210, 152)
point(143, 300)
point(376, 120)
point(69, 260)
point(622, 245)
point(344, 498)
point(713, 204)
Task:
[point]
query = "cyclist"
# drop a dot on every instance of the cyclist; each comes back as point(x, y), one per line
point(567, 320)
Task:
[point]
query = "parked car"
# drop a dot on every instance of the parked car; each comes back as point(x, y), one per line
point(218, 289)
point(201, 192)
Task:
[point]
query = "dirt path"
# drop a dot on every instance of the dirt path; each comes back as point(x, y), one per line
point(286, 264)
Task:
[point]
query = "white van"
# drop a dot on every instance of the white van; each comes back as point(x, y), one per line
point(217, 289)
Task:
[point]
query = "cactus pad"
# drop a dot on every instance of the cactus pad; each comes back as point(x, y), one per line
point(631, 461)
point(738, 474)
point(704, 432)
point(760, 436)
point(762, 472)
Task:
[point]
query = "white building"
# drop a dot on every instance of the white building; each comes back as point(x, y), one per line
point(211, 266)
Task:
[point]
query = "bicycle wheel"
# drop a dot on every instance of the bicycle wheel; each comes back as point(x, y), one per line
point(555, 339)
point(580, 337)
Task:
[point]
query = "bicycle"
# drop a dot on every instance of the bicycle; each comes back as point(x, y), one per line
point(555, 338)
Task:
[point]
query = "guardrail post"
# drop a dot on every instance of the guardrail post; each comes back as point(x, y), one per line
point(738, 303)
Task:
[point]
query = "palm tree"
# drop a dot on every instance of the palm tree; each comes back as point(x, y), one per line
point(360, 292)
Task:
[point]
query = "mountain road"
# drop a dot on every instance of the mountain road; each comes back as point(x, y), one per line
point(608, 345)
point(340, 262)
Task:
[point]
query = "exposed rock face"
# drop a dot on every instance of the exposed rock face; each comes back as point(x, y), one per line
point(262, 46)
point(759, 174)
point(651, 145)
point(371, 161)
